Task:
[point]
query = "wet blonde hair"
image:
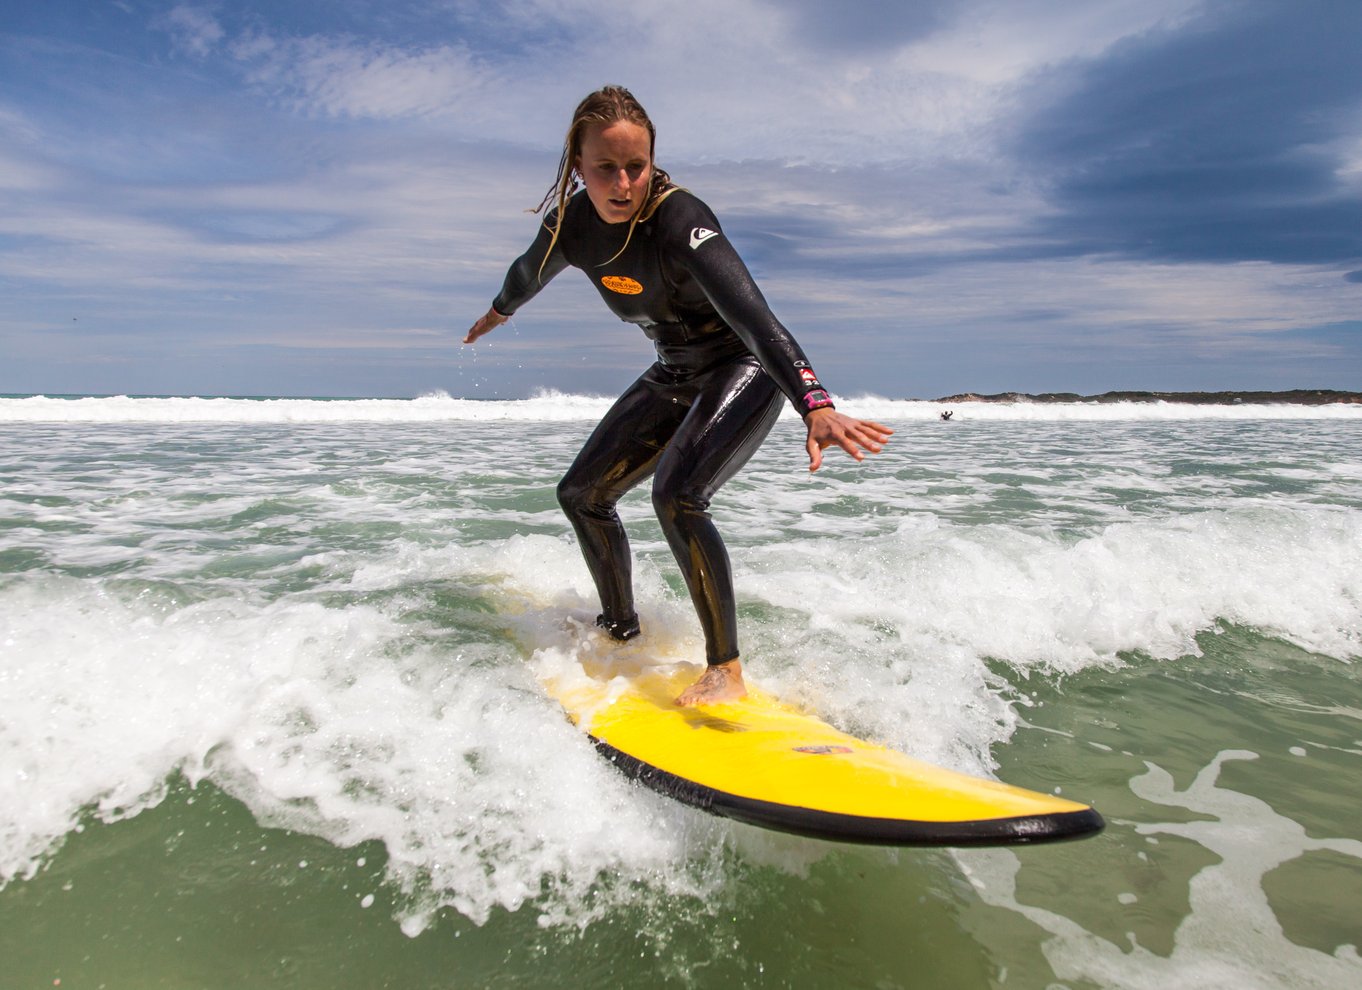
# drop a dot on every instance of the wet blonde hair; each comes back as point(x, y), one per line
point(608, 105)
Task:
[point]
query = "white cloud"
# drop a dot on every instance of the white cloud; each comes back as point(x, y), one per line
point(193, 29)
point(16, 173)
point(343, 79)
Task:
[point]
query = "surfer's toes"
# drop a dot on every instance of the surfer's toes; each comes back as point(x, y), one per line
point(620, 629)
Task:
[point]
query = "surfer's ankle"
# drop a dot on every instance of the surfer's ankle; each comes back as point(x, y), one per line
point(622, 630)
point(719, 683)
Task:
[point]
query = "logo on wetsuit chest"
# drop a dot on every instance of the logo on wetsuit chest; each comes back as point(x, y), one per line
point(622, 284)
point(699, 235)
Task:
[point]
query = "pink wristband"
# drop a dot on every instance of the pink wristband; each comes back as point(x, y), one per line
point(817, 399)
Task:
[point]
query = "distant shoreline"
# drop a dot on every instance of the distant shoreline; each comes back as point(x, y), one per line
point(1295, 397)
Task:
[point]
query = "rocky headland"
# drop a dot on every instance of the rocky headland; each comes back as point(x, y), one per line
point(1298, 396)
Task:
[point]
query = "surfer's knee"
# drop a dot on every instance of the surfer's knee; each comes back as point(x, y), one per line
point(580, 497)
point(673, 499)
point(569, 495)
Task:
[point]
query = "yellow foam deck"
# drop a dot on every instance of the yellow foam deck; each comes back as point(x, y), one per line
point(765, 763)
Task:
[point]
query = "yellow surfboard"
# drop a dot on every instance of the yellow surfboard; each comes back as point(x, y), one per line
point(765, 763)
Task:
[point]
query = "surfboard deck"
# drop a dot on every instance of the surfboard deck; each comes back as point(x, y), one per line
point(765, 763)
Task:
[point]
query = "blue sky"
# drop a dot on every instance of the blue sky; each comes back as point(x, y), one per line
point(317, 198)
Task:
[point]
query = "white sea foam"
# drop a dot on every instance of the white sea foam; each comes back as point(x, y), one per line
point(357, 723)
point(921, 608)
point(1230, 937)
point(552, 406)
point(434, 408)
point(327, 721)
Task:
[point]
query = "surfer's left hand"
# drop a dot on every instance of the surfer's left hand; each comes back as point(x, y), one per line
point(828, 427)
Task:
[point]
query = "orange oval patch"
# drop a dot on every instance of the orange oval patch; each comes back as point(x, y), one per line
point(619, 283)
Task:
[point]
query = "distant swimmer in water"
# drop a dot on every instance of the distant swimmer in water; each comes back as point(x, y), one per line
point(947, 414)
point(659, 259)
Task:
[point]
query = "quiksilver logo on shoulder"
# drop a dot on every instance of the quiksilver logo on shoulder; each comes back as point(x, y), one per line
point(622, 284)
point(699, 235)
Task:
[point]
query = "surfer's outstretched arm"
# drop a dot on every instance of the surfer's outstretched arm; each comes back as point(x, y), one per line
point(527, 275)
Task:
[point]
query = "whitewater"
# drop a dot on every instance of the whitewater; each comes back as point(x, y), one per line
point(553, 406)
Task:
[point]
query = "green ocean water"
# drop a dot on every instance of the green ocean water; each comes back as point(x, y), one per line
point(265, 720)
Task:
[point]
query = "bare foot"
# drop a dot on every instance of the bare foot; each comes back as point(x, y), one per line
point(720, 682)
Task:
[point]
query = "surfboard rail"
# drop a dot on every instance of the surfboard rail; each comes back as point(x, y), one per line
point(814, 823)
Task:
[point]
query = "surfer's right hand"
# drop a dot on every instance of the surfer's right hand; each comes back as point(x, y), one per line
point(487, 322)
point(829, 428)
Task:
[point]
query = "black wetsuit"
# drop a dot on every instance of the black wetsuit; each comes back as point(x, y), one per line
point(692, 419)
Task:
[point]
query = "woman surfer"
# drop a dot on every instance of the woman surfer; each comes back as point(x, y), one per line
point(659, 259)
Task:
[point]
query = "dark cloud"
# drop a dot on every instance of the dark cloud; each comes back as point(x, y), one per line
point(1353, 277)
point(1220, 140)
point(864, 25)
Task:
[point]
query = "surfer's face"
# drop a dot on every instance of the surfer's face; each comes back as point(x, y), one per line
point(616, 164)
